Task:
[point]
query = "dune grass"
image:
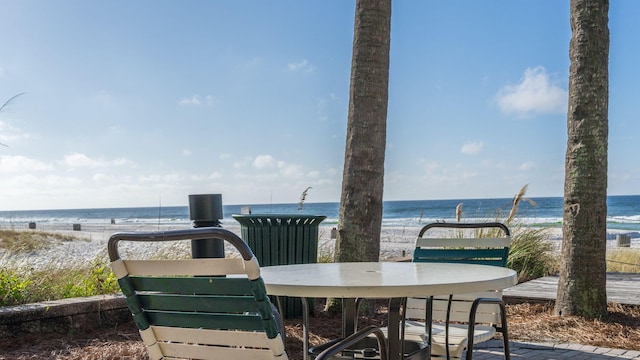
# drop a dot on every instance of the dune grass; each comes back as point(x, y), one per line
point(23, 282)
point(18, 241)
point(623, 260)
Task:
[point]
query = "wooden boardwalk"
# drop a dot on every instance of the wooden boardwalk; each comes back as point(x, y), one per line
point(622, 288)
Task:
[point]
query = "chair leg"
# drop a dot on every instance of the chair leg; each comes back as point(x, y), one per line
point(471, 331)
point(503, 326)
point(446, 329)
point(504, 330)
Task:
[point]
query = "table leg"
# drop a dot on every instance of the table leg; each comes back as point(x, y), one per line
point(395, 326)
point(305, 329)
point(349, 316)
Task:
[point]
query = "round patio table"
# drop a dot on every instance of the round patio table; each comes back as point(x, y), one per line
point(393, 280)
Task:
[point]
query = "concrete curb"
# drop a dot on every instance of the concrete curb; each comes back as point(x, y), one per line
point(64, 315)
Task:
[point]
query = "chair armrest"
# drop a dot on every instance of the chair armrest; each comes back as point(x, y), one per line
point(353, 339)
point(478, 301)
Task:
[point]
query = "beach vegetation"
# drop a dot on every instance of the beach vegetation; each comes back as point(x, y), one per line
point(531, 255)
point(13, 287)
point(303, 197)
point(326, 252)
point(18, 286)
point(623, 260)
point(18, 242)
point(22, 282)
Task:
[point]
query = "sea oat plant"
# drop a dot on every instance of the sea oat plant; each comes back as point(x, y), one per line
point(530, 254)
point(6, 103)
point(303, 197)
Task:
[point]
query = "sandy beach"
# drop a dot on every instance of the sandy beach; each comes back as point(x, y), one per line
point(89, 243)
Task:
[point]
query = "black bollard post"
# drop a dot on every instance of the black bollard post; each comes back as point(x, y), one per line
point(206, 211)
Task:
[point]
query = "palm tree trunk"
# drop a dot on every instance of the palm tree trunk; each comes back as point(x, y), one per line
point(360, 216)
point(582, 284)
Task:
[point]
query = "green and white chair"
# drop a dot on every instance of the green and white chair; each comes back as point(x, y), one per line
point(459, 320)
point(205, 308)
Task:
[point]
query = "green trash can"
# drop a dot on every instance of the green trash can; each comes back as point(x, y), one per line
point(283, 239)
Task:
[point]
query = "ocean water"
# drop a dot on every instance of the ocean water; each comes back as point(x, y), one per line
point(623, 213)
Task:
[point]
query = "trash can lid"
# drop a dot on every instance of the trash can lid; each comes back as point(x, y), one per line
point(279, 218)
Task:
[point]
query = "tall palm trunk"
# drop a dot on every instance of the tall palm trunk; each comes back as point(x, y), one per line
point(360, 217)
point(582, 284)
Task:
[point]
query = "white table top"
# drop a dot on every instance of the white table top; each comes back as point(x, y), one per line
point(383, 279)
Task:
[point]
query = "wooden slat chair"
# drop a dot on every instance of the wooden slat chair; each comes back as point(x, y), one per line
point(212, 308)
point(460, 320)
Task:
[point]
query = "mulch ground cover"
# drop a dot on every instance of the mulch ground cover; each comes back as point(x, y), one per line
point(528, 322)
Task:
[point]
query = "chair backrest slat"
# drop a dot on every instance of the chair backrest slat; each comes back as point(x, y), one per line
point(185, 267)
point(198, 320)
point(190, 285)
point(481, 256)
point(490, 242)
point(211, 337)
point(204, 303)
point(196, 351)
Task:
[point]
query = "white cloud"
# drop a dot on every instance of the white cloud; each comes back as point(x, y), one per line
point(186, 152)
point(264, 162)
point(192, 101)
point(122, 162)
point(527, 165)
point(242, 163)
point(303, 66)
point(472, 147)
point(9, 133)
point(101, 178)
point(536, 93)
point(313, 174)
point(291, 171)
point(20, 164)
point(1, 71)
point(197, 100)
point(77, 160)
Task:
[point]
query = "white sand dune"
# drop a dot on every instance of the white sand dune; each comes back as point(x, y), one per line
point(89, 244)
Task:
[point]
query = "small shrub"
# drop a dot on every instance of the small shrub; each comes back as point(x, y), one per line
point(13, 287)
point(20, 287)
point(104, 279)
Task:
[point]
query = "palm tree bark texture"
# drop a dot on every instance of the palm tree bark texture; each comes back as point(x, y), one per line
point(582, 283)
point(360, 214)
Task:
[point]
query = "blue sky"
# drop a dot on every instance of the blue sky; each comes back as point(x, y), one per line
point(129, 103)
